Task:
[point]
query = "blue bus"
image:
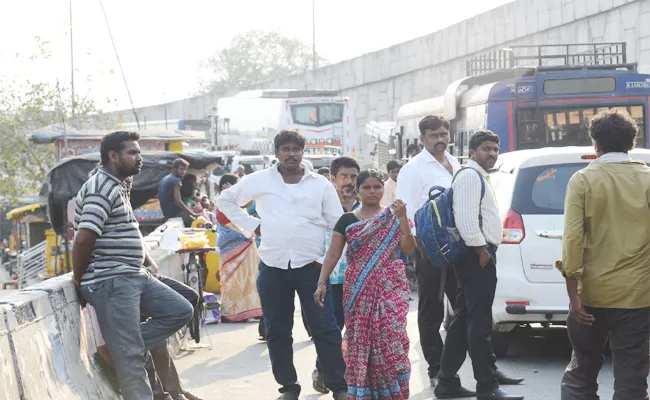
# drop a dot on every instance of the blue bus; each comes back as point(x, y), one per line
point(535, 96)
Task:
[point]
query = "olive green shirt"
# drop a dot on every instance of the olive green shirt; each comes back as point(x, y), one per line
point(606, 240)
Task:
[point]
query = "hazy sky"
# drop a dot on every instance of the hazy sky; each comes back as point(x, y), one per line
point(161, 43)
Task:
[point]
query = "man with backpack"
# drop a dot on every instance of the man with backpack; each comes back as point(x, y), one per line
point(433, 166)
point(476, 216)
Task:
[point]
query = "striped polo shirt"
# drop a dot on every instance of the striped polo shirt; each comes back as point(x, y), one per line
point(103, 206)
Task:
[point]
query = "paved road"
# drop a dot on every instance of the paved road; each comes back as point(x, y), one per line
point(238, 366)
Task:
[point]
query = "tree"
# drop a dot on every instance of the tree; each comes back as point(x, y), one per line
point(27, 105)
point(255, 57)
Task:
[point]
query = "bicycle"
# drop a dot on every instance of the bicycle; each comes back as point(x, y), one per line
point(193, 276)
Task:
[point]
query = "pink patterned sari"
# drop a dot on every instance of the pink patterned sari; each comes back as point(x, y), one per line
point(375, 297)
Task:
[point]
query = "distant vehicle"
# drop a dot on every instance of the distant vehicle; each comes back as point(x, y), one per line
point(319, 161)
point(251, 119)
point(530, 187)
point(232, 161)
point(534, 97)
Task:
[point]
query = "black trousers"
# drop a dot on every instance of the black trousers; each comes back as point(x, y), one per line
point(628, 331)
point(431, 309)
point(277, 288)
point(471, 325)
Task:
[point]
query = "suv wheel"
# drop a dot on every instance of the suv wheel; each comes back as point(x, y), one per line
point(501, 343)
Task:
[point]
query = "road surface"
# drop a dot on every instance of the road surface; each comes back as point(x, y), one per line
point(238, 366)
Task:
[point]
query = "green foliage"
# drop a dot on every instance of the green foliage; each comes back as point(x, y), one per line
point(27, 105)
point(255, 57)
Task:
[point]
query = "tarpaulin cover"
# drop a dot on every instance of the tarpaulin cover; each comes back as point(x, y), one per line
point(64, 180)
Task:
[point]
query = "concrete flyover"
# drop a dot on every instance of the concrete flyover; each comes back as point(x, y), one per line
point(379, 83)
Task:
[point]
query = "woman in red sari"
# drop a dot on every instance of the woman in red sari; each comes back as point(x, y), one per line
point(375, 292)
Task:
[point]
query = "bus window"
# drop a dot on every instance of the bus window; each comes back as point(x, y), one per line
point(317, 114)
point(567, 127)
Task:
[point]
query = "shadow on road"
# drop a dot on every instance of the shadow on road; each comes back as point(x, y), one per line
point(250, 361)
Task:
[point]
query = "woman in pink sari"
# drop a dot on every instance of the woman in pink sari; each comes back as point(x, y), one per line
point(375, 292)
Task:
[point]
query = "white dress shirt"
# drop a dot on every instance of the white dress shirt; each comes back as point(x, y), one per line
point(390, 193)
point(418, 176)
point(293, 218)
point(467, 197)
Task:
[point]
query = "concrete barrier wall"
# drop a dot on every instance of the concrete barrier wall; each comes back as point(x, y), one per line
point(47, 346)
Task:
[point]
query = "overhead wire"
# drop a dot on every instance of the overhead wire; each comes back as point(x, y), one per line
point(120, 64)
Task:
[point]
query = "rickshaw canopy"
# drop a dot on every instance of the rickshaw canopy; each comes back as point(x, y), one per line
point(64, 180)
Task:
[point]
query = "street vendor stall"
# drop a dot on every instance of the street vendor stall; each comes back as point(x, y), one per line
point(65, 179)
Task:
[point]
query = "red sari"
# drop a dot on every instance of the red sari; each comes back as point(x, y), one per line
point(375, 297)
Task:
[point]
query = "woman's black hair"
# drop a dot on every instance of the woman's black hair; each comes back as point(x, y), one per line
point(367, 174)
point(228, 178)
point(187, 189)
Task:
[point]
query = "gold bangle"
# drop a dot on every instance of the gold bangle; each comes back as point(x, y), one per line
point(407, 234)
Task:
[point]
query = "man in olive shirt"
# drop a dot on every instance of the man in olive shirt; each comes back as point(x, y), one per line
point(606, 262)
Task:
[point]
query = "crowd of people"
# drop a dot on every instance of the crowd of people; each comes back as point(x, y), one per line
point(338, 238)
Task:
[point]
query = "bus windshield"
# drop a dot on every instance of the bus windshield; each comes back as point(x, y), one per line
point(317, 114)
point(555, 127)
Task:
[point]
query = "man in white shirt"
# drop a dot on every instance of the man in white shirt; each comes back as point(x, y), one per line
point(390, 187)
point(433, 166)
point(478, 222)
point(295, 206)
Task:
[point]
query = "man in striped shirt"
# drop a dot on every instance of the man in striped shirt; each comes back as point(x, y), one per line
point(108, 258)
point(478, 222)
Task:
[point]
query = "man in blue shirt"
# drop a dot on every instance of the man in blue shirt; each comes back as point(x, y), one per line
point(169, 191)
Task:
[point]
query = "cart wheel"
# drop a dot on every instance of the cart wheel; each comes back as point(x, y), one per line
point(196, 326)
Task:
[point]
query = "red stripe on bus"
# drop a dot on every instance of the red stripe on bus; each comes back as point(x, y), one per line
point(592, 99)
point(317, 131)
point(511, 130)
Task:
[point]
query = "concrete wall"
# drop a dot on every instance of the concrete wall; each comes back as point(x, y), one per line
point(47, 346)
point(379, 83)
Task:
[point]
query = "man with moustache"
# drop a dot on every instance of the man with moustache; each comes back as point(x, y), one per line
point(476, 214)
point(296, 207)
point(344, 171)
point(433, 166)
point(108, 258)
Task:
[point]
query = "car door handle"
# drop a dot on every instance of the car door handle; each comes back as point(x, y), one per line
point(548, 234)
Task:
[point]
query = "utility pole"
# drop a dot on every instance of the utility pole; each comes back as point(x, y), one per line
point(313, 33)
point(71, 63)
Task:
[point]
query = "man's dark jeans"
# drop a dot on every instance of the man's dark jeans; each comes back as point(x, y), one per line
point(277, 288)
point(628, 331)
point(339, 313)
point(471, 326)
point(431, 309)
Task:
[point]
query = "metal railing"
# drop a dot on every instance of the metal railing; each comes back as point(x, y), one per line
point(549, 55)
point(32, 265)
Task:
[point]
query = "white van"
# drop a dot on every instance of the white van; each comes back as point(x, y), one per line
point(530, 187)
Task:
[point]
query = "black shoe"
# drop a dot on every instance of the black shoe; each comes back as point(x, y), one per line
point(503, 379)
point(497, 394)
point(442, 392)
point(318, 383)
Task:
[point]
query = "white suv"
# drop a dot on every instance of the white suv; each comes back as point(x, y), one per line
point(530, 187)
